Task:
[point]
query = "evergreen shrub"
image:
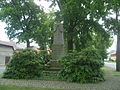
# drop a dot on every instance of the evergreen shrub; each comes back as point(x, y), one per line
point(45, 56)
point(25, 64)
point(82, 67)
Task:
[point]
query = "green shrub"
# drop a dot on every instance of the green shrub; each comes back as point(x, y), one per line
point(45, 56)
point(111, 60)
point(82, 67)
point(25, 64)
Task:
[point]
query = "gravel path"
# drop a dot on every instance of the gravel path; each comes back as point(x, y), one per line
point(112, 83)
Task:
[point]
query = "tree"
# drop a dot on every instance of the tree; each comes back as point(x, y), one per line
point(113, 24)
point(43, 35)
point(23, 18)
point(81, 22)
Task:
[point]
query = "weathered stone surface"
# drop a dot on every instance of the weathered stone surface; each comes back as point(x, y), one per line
point(58, 34)
point(58, 42)
point(52, 66)
point(58, 51)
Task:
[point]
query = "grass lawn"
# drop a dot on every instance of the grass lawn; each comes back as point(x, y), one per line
point(11, 87)
point(110, 72)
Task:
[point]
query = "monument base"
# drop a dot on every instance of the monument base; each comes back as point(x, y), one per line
point(57, 51)
point(52, 67)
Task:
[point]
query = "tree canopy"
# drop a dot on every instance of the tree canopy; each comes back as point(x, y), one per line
point(81, 24)
point(113, 25)
point(27, 21)
point(23, 18)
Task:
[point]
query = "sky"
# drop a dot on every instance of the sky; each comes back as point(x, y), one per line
point(113, 47)
point(4, 37)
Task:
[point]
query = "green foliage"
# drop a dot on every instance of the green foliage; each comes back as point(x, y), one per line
point(81, 26)
point(113, 25)
point(43, 35)
point(45, 56)
point(25, 64)
point(23, 18)
point(82, 67)
point(111, 60)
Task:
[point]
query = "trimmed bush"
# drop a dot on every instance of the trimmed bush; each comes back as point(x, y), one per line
point(25, 64)
point(45, 56)
point(82, 67)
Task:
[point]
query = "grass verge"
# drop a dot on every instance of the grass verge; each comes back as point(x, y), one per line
point(12, 87)
point(110, 71)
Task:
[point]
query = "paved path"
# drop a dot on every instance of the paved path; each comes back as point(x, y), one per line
point(110, 64)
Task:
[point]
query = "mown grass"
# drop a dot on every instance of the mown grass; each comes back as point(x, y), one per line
point(11, 87)
point(110, 71)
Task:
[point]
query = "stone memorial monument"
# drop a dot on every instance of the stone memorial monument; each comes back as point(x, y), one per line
point(58, 41)
point(57, 48)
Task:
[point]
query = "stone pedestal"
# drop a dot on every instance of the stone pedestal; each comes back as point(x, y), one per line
point(52, 67)
point(58, 42)
point(58, 51)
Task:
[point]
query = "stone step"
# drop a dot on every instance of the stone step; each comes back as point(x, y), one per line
point(54, 72)
point(52, 69)
point(53, 63)
point(49, 66)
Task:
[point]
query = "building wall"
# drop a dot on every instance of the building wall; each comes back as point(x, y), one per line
point(5, 51)
point(113, 58)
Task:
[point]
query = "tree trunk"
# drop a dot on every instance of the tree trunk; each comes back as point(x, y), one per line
point(70, 40)
point(77, 46)
point(70, 44)
point(28, 43)
point(118, 54)
point(118, 42)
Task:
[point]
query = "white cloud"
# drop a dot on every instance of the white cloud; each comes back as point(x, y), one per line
point(46, 5)
point(3, 35)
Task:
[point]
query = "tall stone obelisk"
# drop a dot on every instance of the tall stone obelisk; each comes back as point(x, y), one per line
point(58, 41)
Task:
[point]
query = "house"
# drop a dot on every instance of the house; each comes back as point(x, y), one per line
point(113, 55)
point(6, 50)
